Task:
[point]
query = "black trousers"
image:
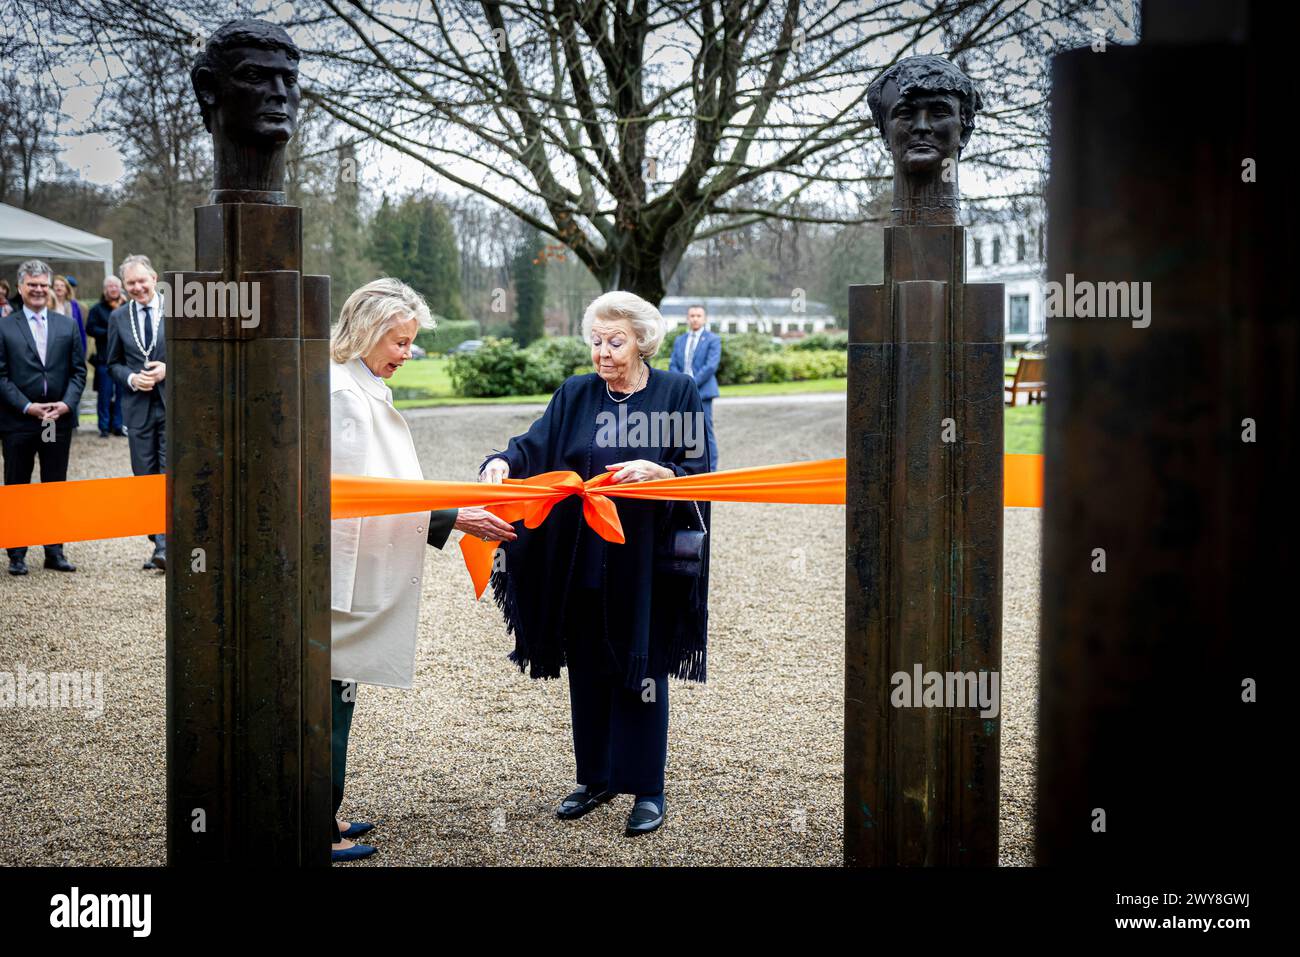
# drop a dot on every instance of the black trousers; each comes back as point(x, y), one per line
point(148, 443)
point(344, 701)
point(21, 450)
point(148, 446)
point(620, 736)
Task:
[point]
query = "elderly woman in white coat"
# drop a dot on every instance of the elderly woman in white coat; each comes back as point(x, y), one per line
point(378, 562)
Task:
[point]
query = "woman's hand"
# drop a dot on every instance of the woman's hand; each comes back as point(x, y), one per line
point(639, 470)
point(485, 525)
point(494, 471)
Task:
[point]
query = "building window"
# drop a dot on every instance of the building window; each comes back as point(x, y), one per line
point(1018, 316)
point(979, 253)
point(997, 251)
point(731, 327)
point(1020, 248)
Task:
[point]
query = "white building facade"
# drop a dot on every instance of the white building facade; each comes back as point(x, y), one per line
point(1010, 248)
point(773, 317)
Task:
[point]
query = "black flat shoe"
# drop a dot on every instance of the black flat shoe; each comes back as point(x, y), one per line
point(646, 816)
point(580, 802)
point(60, 564)
point(18, 567)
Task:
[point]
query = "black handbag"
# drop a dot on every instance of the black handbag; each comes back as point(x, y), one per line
point(682, 551)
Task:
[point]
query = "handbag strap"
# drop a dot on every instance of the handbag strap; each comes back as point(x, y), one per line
point(700, 516)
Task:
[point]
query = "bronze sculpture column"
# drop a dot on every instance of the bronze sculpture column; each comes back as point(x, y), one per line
point(924, 538)
point(248, 640)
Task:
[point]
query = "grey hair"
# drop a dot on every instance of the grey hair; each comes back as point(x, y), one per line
point(137, 260)
point(648, 324)
point(370, 312)
point(34, 267)
point(108, 279)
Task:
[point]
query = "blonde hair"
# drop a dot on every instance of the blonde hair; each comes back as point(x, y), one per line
point(648, 325)
point(370, 312)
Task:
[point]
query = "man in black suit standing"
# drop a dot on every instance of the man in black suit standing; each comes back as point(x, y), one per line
point(42, 375)
point(137, 354)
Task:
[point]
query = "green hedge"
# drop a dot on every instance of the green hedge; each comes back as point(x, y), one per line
point(822, 340)
point(501, 368)
point(564, 351)
point(448, 334)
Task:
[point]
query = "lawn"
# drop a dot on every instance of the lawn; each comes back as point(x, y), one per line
point(425, 382)
point(1023, 429)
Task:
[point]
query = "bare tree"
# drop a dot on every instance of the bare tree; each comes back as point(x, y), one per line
point(149, 113)
point(29, 121)
point(628, 129)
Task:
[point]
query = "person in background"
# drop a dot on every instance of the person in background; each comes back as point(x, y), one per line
point(137, 359)
point(697, 353)
point(42, 375)
point(5, 293)
point(65, 301)
point(108, 392)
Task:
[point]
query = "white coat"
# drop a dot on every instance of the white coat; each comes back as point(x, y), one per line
point(377, 563)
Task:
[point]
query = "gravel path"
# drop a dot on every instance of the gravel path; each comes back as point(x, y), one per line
point(466, 767)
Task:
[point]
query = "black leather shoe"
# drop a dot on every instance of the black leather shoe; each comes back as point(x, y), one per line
point(645, 817)
point(59, 563)
point(103, 433)
point(580, 802)
point(159, 560)
point(17, 566)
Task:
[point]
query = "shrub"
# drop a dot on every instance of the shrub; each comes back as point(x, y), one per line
point(823, 340)
point(449, 334)
point(501, 368)
point(741, 353)
point(565, 351)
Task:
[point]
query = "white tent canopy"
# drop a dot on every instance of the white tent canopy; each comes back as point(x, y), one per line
point(25, 235)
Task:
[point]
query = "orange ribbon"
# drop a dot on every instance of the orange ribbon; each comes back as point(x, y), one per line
point(121, 507)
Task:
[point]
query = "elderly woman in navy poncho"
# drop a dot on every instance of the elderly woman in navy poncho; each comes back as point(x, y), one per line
point(571, 598)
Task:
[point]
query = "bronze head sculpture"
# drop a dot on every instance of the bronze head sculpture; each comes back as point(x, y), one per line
point(925, 109)
point(246, 81)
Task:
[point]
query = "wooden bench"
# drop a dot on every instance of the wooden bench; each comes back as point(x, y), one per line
point(1030, 378)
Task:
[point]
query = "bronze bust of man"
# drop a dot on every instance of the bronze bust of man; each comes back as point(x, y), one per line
point(925, 109)
point(246, 81)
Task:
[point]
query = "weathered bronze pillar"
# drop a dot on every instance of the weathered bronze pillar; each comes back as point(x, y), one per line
point(924, 539)
point(248, 634)
point(1168, 563)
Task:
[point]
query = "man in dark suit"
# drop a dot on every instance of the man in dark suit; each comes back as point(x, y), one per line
point(109, 405)
point(42, 375)
point(137, 354)
point(697, 353)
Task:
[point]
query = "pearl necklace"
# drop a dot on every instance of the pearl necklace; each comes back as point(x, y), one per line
point(645, 372)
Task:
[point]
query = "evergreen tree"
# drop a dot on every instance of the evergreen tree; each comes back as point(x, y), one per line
point(529, 272)
point(386, 240)
point(440, 261)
